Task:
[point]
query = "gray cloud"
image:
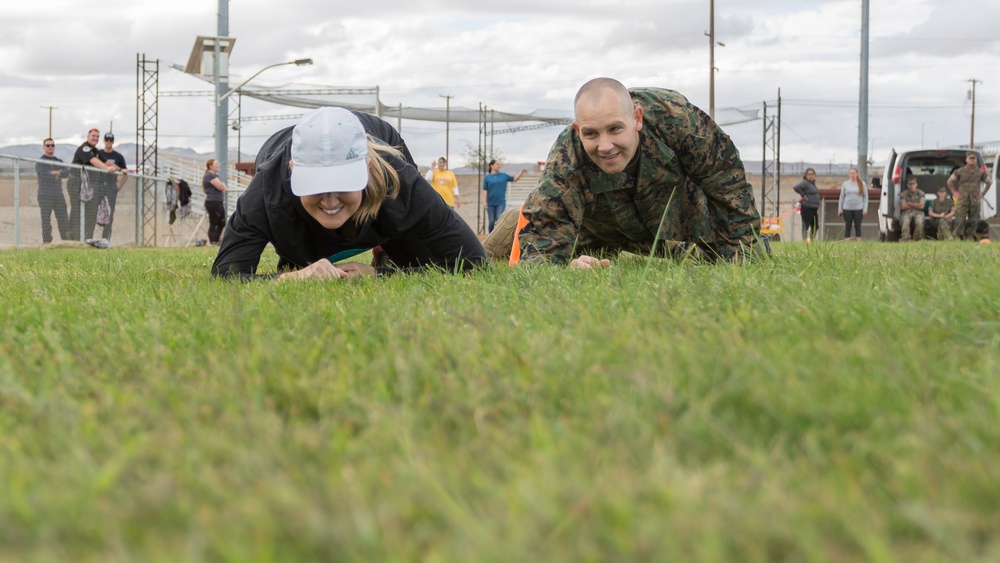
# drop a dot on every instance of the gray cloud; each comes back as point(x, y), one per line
point(515, 55)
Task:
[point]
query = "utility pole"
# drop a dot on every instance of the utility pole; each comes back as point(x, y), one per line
point(972, 127)
point(447, 125)
point(50, 108)
point(863, 98)
point(711, 58)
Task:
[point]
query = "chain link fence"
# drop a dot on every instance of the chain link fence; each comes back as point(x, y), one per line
point(39, 205)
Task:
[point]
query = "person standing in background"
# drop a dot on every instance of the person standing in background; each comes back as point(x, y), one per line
point(215, 200)
point(808, 204)
point(445, 183)
point(86, 155)
point(50, 193)
point(964, 184)
point(853, 204)
point(109, 184)
point(495, 186)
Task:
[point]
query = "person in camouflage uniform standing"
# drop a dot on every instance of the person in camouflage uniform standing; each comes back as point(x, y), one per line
point(911, 211)
point(941, 213)
point(639, 170)
point(964, 184)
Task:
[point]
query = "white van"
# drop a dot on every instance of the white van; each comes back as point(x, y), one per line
point(931, 168)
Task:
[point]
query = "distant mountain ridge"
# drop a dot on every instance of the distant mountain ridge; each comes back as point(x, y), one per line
point(65, 152)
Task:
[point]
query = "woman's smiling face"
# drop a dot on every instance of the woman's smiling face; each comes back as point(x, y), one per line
point(332, 210)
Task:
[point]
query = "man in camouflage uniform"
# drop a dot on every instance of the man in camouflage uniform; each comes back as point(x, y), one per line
point(911, 211)
point(941, 213)
point(639, 171)
point(964, 184)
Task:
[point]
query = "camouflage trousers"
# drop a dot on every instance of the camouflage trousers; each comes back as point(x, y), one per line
point(967, 215)
point(499, 243)
point(944, 227)
point(912, 219)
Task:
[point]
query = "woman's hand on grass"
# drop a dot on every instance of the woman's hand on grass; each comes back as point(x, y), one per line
point(320, 269)
point(355, 269)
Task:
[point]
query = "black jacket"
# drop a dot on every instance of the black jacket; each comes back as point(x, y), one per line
point(416, 229)
point(183, 192)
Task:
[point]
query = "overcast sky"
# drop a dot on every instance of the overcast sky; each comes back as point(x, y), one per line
point(516, 55)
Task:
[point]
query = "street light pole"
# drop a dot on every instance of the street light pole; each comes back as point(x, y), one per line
point(221, 86)
point(296, 62)
point(711, 58)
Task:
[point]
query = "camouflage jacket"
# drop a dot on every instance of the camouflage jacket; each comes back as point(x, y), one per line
point(968, 179)
point(917, 197)
point(942, 206)
point(688, 188)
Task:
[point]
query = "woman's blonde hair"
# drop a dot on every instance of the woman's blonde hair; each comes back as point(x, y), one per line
point(383, 180)
point(861, 183)
point(209, 163)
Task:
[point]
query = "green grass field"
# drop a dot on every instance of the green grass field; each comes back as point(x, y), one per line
point(840, 402)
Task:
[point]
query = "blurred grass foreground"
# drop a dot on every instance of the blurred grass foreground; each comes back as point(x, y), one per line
point(838, 402)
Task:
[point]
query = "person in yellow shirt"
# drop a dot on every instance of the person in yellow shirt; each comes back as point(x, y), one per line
point(445, 183)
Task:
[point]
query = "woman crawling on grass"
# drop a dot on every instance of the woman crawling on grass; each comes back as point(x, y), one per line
point(334, 186)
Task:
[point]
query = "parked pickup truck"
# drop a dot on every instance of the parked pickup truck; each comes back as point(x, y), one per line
point(931, 168)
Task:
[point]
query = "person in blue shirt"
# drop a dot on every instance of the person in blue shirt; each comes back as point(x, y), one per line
point(495, 186)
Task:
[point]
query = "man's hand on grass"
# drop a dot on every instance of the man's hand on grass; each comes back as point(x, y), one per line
point(585, 262)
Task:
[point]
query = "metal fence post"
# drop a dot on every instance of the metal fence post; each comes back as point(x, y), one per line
point(17, 203)
point(83, 206)
point(138, 215)
point(821, 232)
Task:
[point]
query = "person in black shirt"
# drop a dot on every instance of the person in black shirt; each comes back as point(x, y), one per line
point(87, 155)
point(215, 200)
point(809, 204)
point(337, 184)
point(110, 184)
point(50, 193)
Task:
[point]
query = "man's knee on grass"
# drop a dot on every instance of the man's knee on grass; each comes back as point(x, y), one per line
point(499, 242)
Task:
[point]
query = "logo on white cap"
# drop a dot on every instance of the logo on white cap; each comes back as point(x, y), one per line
point(329, 153)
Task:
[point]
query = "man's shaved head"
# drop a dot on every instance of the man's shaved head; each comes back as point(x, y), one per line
point(595, 88)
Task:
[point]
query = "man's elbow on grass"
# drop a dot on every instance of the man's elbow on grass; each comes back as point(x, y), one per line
point(530, 255)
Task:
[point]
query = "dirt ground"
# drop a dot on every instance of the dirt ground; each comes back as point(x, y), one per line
point(471, 211)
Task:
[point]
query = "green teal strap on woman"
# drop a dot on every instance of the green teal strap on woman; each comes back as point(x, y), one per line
point(343, 254)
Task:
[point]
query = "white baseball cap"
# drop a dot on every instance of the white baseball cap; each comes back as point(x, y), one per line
point(329, 153)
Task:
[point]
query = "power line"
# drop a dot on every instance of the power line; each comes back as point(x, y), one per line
point(801, 102)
